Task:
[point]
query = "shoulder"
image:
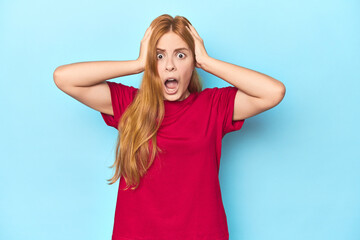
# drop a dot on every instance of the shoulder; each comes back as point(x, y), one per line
point(219, 92)
point(119, 89)
point(119, 86)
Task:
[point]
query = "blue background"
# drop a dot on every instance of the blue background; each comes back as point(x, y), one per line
point(291, 172)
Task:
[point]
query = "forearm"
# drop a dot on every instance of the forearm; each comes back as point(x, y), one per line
point(251, 82)
point(83, 74)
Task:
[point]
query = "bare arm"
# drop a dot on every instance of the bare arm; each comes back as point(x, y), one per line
point(86, 74)
point(257, 92)
point(86, 81)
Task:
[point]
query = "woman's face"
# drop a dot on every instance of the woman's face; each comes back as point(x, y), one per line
point(174, 61)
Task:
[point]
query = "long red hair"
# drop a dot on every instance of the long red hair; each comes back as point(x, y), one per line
point(139, 123)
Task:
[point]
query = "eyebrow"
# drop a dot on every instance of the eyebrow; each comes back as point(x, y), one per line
point(175, 49)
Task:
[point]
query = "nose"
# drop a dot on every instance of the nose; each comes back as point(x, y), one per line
point(170, 65)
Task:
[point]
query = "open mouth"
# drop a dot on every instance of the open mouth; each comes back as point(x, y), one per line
point(171, 85)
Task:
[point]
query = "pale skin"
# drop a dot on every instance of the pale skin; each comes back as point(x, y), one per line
point(86, 81)
point(256, 93)
point(174, 59)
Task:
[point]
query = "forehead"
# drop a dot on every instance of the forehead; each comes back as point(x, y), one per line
point(170, 42)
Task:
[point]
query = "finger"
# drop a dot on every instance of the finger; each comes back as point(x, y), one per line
point(189, 29)
point(194, 30)
point(148, 31)
point(145, 34)
point(191, 32)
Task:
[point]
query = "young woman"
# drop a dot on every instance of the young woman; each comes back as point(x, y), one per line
point(170, 130)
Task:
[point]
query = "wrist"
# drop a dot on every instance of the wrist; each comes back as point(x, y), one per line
point(204, 62)
point(140, 65)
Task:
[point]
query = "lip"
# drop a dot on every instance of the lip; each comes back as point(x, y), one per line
point(171, 93)
point(171, 78)
point(166, 90)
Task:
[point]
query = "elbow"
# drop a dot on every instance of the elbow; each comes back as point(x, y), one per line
point(281, 90)
point(276, 96)
point(279, 94)
point(56, 76)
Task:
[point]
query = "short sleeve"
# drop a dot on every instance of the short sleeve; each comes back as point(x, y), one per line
point(225, 102)
point(121, 97)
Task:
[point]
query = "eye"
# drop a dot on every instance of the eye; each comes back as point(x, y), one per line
point(159, 54)
point(182, 55)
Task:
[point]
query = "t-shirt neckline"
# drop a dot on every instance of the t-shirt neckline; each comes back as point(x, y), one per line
point(191, 95)
point(173, 109)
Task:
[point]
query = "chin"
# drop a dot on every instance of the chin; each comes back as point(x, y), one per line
point(173, 97)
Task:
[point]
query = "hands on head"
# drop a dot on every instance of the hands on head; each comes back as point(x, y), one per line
point(200, 51)
point(144, 48)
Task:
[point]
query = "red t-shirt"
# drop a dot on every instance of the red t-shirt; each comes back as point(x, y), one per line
point(179, 198)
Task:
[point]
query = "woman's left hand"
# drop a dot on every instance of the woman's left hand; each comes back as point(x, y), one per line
point(200, 52)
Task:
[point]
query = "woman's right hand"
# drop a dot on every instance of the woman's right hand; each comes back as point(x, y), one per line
point(144, 48)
